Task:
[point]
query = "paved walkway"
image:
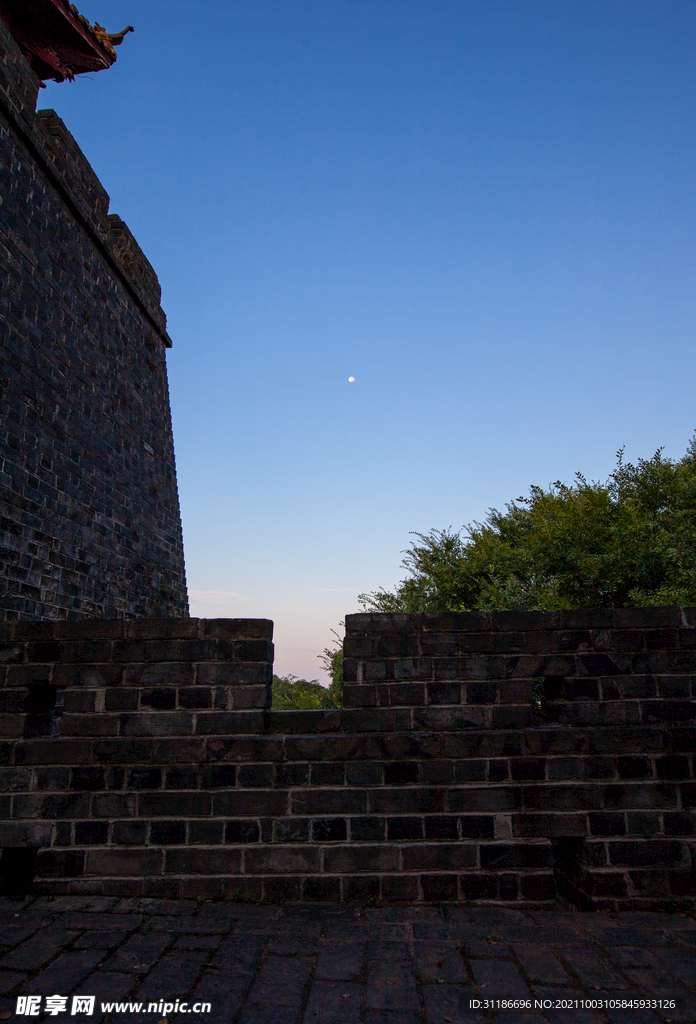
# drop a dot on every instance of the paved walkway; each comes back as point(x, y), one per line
point(302, 964)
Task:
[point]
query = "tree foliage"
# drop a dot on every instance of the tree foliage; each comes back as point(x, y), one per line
point(333, 664)
point(629, 541)
point(293, 694)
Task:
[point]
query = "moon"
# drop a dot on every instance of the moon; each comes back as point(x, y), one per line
point(351, 379)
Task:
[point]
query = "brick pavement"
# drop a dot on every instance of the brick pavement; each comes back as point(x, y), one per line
point(335, 964)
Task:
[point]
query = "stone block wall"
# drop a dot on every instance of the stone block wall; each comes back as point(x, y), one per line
point(89, 510)
point(498, 757)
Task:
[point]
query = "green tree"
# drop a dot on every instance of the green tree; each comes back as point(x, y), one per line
point(293, 694)
point(629, 541)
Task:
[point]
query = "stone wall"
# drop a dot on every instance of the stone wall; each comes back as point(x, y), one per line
point(89, 511)
point(498, 757)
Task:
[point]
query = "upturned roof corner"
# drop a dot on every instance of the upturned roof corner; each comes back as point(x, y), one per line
point(57, 41)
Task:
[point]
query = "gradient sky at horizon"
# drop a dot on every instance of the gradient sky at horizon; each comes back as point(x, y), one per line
point(483, 210)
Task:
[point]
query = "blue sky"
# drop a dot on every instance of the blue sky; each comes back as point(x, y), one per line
point(482, 210)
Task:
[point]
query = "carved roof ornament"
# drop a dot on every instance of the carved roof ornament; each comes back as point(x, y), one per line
point(109, 41)
point(57, 40)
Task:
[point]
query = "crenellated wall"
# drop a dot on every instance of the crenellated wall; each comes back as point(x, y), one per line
point(481, 757)
point(89, 509)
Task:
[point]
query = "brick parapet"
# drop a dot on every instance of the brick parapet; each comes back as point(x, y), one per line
point(168, 775)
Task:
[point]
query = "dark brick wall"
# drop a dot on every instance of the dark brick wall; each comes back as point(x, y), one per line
point(499, 757)
point(576, 729)
point(89, 511)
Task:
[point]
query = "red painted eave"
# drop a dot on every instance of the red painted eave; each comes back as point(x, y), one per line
point(84, 29)
point(54, 37)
